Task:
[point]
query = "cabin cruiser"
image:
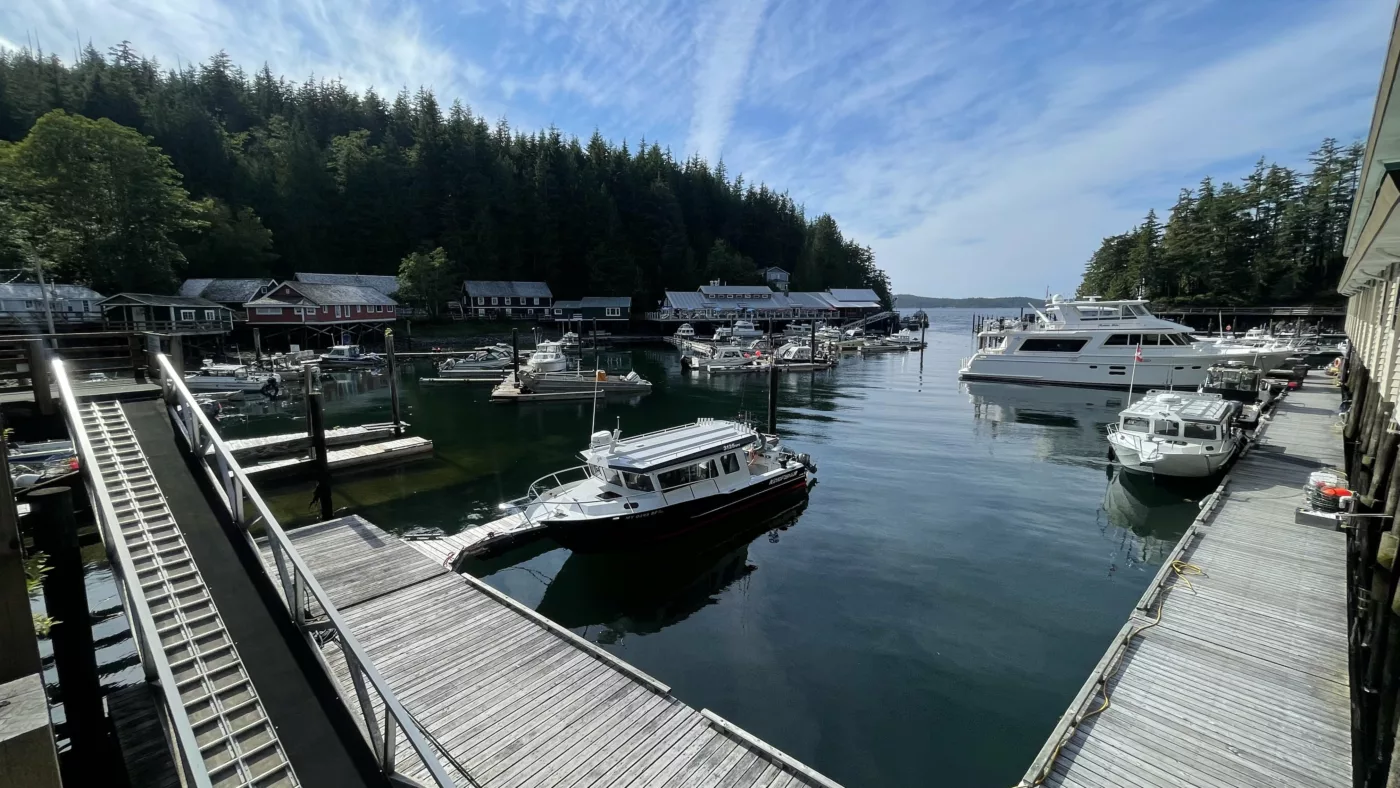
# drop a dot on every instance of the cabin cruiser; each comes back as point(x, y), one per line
point(233, 377)
point(649, 487)
point(744, 329)
point(1171, 434)
point(350, 357)
point(1114, 344)
point(723, 335)
point(570, 342)
point(906, 336)
point(1243, 383)
point(481, 359)
point(798, 330)
point(548, 357)
point(578, 380)
point(730, 356)
point(686, 331)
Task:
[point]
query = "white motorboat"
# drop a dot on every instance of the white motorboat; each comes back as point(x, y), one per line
point(798, 330)
point(908, 337)
point(853, 333)
point(650, 487)
point(547, 382)
point(686, 331)
point(1174, 434)
point(1113, 344)
point(570, 342)
point(728, 356)
point(233, 377)
point(723, 335)
point(744, 330)
point(350, 357)
point(481, 359)
point(548, 357)
point(876, 347)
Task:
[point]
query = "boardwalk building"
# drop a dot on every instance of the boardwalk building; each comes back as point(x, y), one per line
point(232, 293)
point(487, 300)
point(388, 285)
point(70, 306)
point(601, 309)
point(164, 314)
point(320, 314)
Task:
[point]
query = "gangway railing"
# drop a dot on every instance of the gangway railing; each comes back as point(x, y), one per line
point(300, 589)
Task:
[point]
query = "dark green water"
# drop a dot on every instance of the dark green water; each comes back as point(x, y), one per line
point(961, 565)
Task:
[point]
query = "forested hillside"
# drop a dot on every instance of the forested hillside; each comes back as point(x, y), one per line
point(272, 176)
point(1276, 238)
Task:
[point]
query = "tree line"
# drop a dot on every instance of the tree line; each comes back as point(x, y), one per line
point(122, 175)
point(1276, 238)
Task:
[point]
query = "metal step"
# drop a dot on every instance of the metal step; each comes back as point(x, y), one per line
point(237, 742)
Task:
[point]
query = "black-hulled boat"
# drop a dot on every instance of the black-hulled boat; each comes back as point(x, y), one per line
point(642, 489)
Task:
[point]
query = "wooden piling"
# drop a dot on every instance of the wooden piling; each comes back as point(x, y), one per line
point(38, 360)
point(514, 356)
point(316, 420)
point(393, 380)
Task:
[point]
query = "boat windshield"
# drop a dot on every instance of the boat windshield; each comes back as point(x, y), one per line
point(640, 482)
point(1134, 424)
point(605, 475)
point(1164, 427)
point(1199, 430)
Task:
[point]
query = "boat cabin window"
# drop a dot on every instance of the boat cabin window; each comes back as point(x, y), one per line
point(1164, 427)
point(690, 474)
point(1134, 424)
point(1137, 309)
point(1099, 313)
point(730, 463)
point(640, 482)
point(1038, 345)
point(1199, 430)
point(1123, 339)
point(605, 475)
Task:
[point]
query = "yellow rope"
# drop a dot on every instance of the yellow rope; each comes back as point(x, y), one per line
point(1182, 570)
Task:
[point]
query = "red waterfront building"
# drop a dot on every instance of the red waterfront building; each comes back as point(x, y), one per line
point(316, 315)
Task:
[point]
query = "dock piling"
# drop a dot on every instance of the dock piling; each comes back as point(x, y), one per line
point(514, 357)
point(393, 381)
point(316, 419)
point(65, 597)
point(772, 388)
point(38, 360)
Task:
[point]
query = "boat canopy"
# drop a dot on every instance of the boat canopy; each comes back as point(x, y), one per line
point(655, 450)
point(1191, 407)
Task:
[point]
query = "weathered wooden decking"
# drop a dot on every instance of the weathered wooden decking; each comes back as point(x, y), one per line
point(449, 551)
point(1243, 683)
point(516, 700)
point(371, 454)
point(295, 442)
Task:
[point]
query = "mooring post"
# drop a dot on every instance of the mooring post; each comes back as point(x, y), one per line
point(814, 340)
point(38, 358)
point(65, 596)
point(393, 380)
point(596, 364)
point(772, 397)
point(317, 421)
point(515, 355)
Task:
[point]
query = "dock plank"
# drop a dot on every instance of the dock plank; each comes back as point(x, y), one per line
point(1239, 678)
point(382, 453)
point(517, 701)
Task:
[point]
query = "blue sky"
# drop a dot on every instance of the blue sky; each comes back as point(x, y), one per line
point(981, 148)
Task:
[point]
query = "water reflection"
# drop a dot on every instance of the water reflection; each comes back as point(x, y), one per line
point(1147, 518)
point(643, 592)
point(1072, 421)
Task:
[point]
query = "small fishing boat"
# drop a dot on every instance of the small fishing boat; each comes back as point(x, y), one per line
point(798, 330)
point(744, 330)
point(686, 331)
point(543, 382)
point(1243, 383)
point(876, 347)
point(350, 357)
point(907, 337)
point(643, 489)
point(233, 377)
point(548, 357)
point(486, 358)
point(570, 342)
point(723, 335)
point(1175, 434)
point(730, 356)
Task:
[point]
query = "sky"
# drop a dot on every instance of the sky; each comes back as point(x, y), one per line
point(981, 148)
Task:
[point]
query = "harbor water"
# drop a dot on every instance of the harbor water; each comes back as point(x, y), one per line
point(959, 568)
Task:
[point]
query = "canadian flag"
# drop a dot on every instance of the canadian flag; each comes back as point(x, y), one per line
point(1137, 355)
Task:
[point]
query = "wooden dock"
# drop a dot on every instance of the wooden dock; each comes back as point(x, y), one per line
point(1232, 670)
point(449, 551)
point(515, 700)
point(356, 457)
point(296, 442)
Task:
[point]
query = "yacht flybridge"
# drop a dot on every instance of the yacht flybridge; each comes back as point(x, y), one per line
point(1090, 342)
point(648, 487)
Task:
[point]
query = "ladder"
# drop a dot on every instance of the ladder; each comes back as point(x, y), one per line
point(237, 743)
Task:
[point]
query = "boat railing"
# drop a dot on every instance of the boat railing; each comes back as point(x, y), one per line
point(302, 594)
point(541, 487)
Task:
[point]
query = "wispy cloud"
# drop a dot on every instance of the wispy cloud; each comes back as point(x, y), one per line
point(726, 40)
point(981, 148)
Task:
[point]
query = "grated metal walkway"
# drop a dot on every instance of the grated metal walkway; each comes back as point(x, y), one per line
point(237, 740)
point(1244, 682)
point(516, 700)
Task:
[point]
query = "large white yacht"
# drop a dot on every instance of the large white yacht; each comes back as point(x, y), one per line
point(1097, 343)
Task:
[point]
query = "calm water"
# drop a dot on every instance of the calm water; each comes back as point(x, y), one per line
point(960, 567)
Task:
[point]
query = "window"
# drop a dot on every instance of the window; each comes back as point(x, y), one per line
point(495, 301)
point(1187, 339)
point(1099, 313)
point(730, 463)
point(480, 300)
point(690, 474)
point(28, 304)
point(1038, 345)
point(1134, 424)
point(481, 313)
point(1164, 427)
point(535, 301)
point(558, 311)
point(614, 311)
point(338, 311)
point(1195, 429)
point(210, 315)
point(531, 311)
point(637, 481)
point(187, 314)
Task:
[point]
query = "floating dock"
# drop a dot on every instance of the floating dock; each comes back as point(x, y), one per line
point(504, 393)
point(295, 442)
point(358, 457)
point(494, 381)
point(450, 551)
point(1232, 670)
point(511, 698)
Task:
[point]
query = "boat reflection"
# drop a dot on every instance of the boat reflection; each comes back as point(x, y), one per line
point(1146, 518)
point(1074, 421)
point(645, 591)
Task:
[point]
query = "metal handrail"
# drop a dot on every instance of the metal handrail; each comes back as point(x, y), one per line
point(153, 659)
point(298, 584)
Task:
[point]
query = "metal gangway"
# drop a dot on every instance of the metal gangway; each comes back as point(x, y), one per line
point(216, 721)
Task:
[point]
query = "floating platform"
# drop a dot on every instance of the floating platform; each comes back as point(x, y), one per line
point(478, 541)
point(504, 393)
point(514, 699)
point(1232, 670)
point(495, 381)
point(269, 446)
point(359, 457)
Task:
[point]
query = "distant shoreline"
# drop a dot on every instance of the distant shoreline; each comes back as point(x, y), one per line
point(907, 301)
